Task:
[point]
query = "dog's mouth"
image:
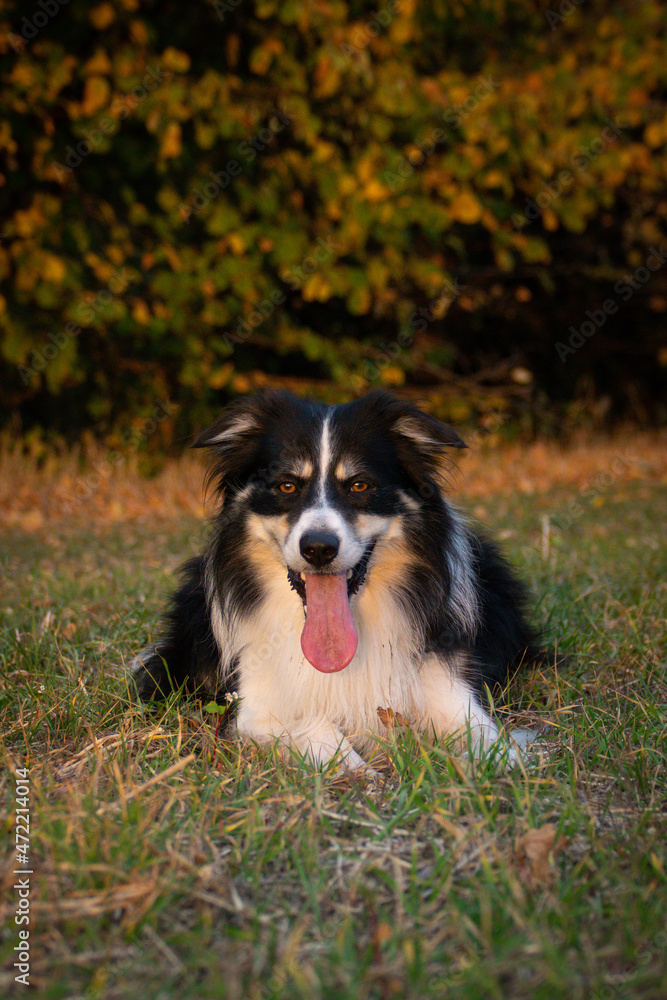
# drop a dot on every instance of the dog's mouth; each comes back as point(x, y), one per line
point(329, 638)
point(355, 576)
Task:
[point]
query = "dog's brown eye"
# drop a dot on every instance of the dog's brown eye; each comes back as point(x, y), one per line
point(287, 488)
point(358, 487)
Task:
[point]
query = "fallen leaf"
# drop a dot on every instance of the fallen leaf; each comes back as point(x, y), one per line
point(535, 851)
point(390, 718)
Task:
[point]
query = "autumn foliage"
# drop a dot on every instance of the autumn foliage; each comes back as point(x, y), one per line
point(204, 196)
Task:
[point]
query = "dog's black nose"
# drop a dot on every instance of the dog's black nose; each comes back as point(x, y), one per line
point(319, 548)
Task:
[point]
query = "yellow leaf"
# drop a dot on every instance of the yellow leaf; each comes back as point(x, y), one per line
point(466, 208)
point(139, 33)
point(171, 141)
point(27, 220)
point(535, 852)
point(95, 94)
point(549, 219)
point(316, 288)
point(98, 64)
point(219, 377)
point(494, 179)
point(392, 375)
point(359, 300)
point(327, 77)
point(236, 243)
point(655, 134)
point(23, 75)
point(141, 313)
point(374, 191)
point(389, 718)
point(175, 59)
point(101, 17)
point(53, 268)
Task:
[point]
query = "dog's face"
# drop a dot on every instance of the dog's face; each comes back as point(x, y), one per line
point(322, 486)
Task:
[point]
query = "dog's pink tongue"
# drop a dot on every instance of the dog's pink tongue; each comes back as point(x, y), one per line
point(329, 638)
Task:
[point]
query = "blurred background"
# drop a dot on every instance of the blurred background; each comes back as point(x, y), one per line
point(463, 201)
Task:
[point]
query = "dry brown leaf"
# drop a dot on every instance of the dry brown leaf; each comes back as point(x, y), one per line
point(391, 719)
point(535, 852)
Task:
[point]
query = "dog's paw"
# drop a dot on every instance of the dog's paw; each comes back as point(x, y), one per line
point(522, 738)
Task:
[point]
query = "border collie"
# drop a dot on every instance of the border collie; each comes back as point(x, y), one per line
point(340, 580)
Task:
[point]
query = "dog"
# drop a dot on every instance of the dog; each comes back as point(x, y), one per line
point(339, 580)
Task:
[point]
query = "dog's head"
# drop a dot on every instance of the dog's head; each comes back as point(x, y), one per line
point(322, 486)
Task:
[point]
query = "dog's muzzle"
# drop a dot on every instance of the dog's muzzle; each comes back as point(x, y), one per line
point(329, 638)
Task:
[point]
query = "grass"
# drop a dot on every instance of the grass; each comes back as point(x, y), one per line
point(168, 863)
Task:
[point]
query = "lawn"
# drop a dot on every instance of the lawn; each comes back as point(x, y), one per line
point(167, 863)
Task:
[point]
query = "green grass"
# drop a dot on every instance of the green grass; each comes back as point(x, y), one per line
point(169, 864)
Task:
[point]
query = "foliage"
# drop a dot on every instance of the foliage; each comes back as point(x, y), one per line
point(205, 197)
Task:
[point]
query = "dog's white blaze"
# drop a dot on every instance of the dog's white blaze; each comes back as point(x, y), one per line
point(325, 459)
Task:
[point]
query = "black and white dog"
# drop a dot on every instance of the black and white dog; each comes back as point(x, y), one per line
point(339, 580)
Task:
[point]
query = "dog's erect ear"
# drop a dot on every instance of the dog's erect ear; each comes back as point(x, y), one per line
point(427, 434)
point(237, 423)
point(422, 443)
point(235, 438)
point(245, 419)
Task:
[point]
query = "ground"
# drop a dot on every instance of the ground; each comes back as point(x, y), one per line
point(167, 863)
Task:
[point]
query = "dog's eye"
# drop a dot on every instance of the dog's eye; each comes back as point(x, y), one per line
point(287, 487)
point(358, 487)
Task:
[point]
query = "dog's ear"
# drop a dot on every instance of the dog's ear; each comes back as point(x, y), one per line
point(236, 425)
point(422, 443)
point(426, 433)
point(235, 438)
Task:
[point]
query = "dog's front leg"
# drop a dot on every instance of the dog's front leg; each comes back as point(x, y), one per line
point(317, 741)
point(452, 707)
